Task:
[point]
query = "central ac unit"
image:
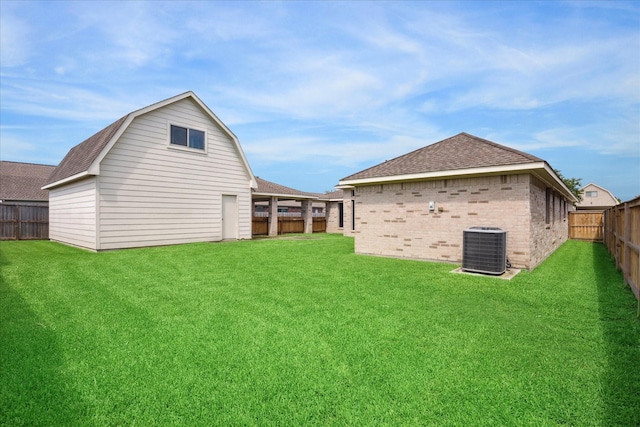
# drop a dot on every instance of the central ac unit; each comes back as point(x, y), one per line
point(484, 250)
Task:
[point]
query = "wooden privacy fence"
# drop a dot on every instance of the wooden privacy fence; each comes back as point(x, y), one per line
point(24, 222)
point(319, 224)
point(260, 226)
point(622, 238)
point(286, 225)
point(289, 225)
point(586, 225)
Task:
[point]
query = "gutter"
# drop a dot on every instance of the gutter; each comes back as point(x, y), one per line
point(66, 180)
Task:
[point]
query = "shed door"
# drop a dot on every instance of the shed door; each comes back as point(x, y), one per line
point(229, 217)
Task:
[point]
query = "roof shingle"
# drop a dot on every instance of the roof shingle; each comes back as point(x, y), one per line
point(462, 151)
point(268, 187)
point(331, 195)
point(80, 157)
point(23, 181)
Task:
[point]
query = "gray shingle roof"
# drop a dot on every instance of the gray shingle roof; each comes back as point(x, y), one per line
point(331, 195)
point(271, 188)
point(23, 181)
point(80, 157)
point(462, 151)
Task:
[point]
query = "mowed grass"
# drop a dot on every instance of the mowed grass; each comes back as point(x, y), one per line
point(303, 332)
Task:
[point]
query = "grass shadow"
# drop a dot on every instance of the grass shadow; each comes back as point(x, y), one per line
point(621, 330)
point(33, 389)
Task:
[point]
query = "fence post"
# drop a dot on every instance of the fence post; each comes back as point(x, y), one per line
point(16, 226)
point(626, 268)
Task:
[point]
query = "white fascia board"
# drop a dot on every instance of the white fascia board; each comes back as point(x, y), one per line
point(601, 188)
point(534, 168)
point(66, 180)
point(94, 168)
point(525, 167)
point(560, 183)
point(234, 138)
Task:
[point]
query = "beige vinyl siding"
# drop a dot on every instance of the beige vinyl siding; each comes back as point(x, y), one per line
point(154, 194)
point(72, 213)
point(602, 199)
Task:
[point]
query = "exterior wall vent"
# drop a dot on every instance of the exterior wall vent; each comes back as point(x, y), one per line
point(484, 250)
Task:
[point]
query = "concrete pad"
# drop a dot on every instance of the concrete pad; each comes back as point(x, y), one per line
point(507, 275)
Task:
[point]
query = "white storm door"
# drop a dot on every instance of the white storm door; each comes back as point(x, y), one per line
point(229, 217)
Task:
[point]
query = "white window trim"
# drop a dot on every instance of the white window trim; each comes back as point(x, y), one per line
point(187, 148)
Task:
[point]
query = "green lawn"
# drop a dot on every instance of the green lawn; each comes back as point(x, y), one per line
point(303, 331)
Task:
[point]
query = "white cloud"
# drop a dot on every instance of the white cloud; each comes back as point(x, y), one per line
point(305, 81)
point(313, 86)
point(618, 137)
point(17, 148)
point(67, 102)
point(322, 149)
point(15, 46)
point(133, 34)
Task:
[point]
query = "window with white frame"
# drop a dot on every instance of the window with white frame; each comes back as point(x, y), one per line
point(187, 137)
point(591, 194)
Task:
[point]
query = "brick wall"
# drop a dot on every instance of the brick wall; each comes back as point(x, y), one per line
point(549, 221)
point(332, 215)
point(395, 219)
point(349, 203)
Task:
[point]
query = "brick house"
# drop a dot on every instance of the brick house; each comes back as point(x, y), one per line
point(417, 205)
point(334, 210)
point(275, 200)
point(24, 211)
point(289, 200)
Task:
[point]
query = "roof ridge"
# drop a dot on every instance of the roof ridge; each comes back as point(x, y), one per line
point(461, 151)
point(82, 157)
point(600, 187)
point(27, 163)
point(500, 146)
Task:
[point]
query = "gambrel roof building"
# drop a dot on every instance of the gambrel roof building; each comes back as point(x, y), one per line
point(168, 173)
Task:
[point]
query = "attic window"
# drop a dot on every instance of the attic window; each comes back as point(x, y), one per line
point(187, 137)
point(591, 194)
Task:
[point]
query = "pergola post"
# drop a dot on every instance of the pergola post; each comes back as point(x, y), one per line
point(307, 214)
point(273, 216)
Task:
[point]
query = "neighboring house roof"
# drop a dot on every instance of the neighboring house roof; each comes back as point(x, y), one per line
point(24, 181)
point(602, 200)
point(591, 184)
point(460, 155)
point(332, 195)
point(269, 189)
point(84, 159)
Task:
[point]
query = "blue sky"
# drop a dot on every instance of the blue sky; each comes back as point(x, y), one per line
point(316, 91)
